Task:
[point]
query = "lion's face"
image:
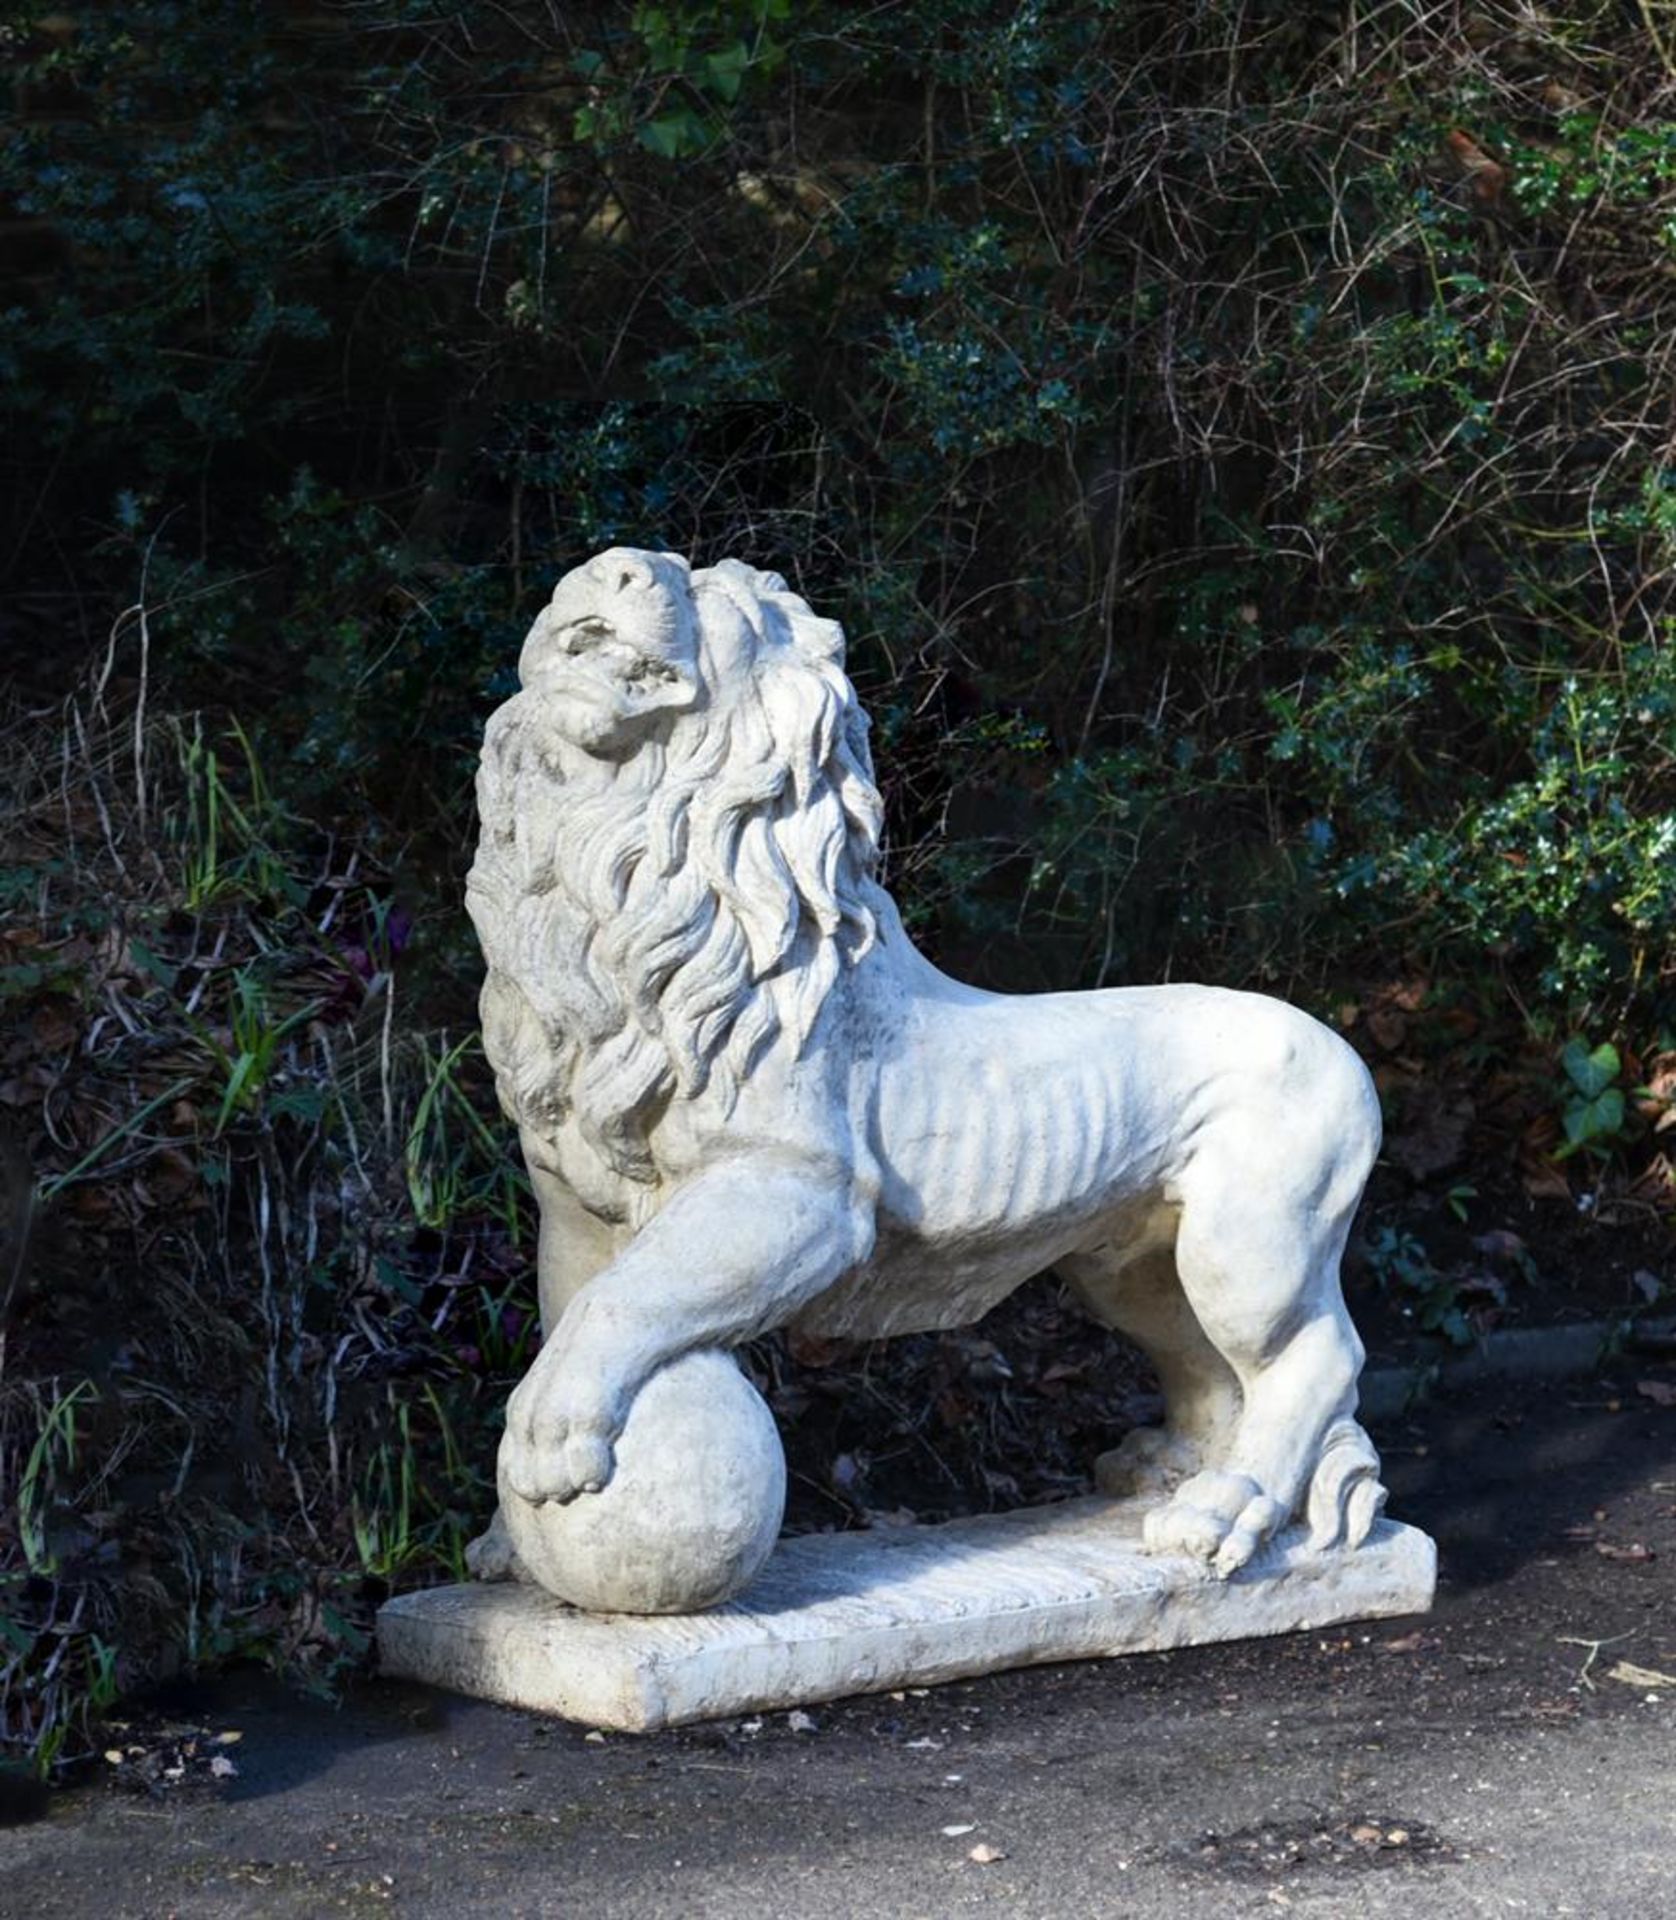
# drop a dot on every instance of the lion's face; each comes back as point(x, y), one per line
point(633, 636)
point(614, 649)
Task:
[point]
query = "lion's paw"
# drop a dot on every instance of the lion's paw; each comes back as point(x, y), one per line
point(558, 1466)
point(492, 1556)
point(560, 1425)
point(1148, 1460)
point(1216, 1516)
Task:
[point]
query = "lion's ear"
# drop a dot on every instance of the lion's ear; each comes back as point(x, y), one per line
point(751, 583)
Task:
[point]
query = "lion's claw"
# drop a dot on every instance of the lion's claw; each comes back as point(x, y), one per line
point(1220, 1517)
point(578, 1463)
point(1258, 1521)
point(588, 1463)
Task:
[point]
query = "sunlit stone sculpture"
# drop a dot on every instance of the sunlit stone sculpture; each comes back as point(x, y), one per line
point(747, 1102)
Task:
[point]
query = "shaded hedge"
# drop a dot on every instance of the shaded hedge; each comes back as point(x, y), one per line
point(1237, 438)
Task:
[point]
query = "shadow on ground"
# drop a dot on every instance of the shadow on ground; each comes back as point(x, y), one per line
point(1469, 1761)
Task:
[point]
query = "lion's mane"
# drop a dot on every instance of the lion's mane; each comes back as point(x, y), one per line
point(652, 927)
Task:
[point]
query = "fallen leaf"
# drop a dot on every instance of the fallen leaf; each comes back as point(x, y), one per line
point(1388, 1027)
point(1434, 1139)
point(1062, 1370)
point(1656, 1099)
point(800, 1722)
point(954, 1832)
point(1656, 1182)
point(811, 1350)
point(1634, 1551)
point(1543, 1177)
point(847, 1473)
point(1485, 177)
point(1409, 1643)
point(1366, 1836)
point(1660, 1392)
point(222, 1767)
point(1634, 1676)
point(985, 1855)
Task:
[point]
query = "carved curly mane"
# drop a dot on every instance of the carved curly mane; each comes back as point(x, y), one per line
point(653, 926)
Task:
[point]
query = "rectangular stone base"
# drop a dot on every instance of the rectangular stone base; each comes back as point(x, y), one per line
point(844, 1613)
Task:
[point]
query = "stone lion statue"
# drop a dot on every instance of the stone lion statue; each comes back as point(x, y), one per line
point(748, 1102)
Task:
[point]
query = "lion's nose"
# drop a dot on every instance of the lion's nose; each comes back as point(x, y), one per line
point(622, 570)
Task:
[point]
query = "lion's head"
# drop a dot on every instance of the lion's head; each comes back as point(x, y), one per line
point(680, 834)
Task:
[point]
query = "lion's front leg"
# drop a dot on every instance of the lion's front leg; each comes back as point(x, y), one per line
point(737, 1251)
point(573, 1246)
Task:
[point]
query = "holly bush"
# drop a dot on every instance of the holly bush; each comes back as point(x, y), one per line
point(1236, 437)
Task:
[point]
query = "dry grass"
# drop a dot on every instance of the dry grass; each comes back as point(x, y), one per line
point(262, 1266)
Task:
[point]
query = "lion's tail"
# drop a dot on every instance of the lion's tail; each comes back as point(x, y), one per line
point(1345, 1497)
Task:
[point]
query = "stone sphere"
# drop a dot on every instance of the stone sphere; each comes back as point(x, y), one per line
point(691, 1512)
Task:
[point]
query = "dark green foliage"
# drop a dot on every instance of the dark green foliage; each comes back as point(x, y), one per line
point(1233, 436)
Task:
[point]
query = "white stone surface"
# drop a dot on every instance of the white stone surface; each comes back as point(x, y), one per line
point(837, 1614)
point(747, 1102)
point(691, 1512)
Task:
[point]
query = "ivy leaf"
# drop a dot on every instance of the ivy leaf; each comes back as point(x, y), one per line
point(1591, 1073)
point(665, 42)
point(1594, 1119)
point(1455, 1327)
point(673, 134)
point(725, 71)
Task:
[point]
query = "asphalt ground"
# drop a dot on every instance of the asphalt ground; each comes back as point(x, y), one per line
point(1512, 1752)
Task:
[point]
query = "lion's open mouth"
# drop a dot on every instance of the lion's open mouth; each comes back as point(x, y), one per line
point(647, 673)
point(630, 668)
point(588, 631)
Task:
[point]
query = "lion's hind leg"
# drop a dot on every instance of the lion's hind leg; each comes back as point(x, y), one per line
point(1263, 1224)
point(1140, 1296)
